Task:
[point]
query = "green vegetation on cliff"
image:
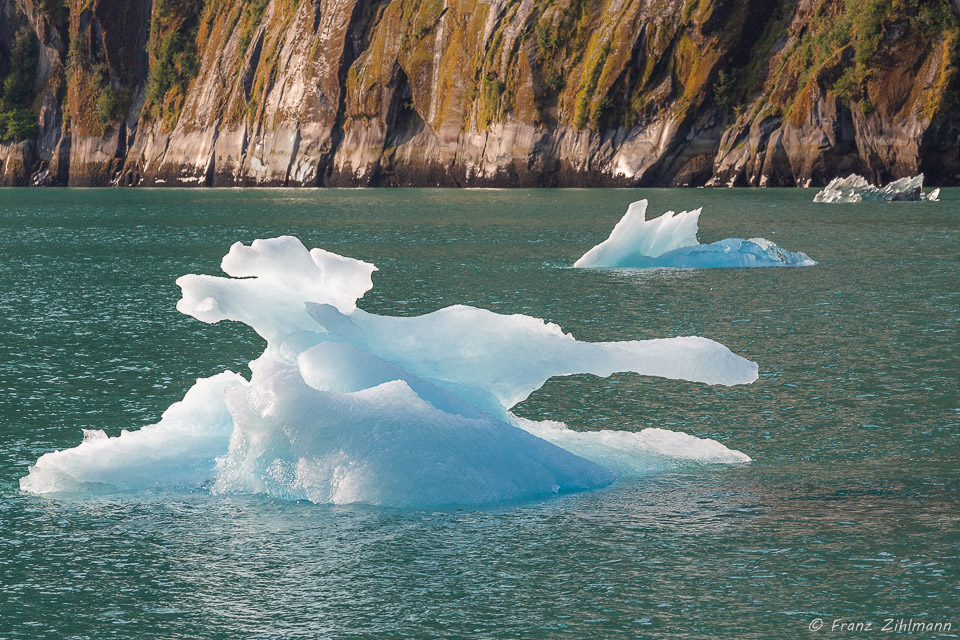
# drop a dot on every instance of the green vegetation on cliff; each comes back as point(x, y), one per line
point(844, 45)
point(100, 99)
point(18, 115)
point(454, 91)
point(173, 56)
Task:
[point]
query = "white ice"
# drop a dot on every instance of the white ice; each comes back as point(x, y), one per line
point(347, 406)
point(670, 240)
point(855, 188)
point(178, 452)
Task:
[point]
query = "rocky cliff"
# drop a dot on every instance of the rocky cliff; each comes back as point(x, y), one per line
point(477, 92)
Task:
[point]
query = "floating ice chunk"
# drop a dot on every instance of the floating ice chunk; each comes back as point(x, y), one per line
point(339, 368)
point(495, 361)
point(384, 445)
point(635, 235)
point(347, 406)
point(631, 453)
point(180, 451)
point(317, 275)
point(272, 279)
point(670, 240)
point(855, 188)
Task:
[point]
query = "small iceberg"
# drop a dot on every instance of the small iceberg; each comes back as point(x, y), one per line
point(855, 188)
point(671, 241)
point(346, 406)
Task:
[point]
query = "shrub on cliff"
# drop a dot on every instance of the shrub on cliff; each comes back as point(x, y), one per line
point(18, 120)
point(173, 55)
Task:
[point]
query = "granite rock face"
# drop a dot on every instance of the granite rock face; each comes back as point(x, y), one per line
point(484, 92)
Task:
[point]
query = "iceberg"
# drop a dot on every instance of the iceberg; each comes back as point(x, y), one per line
point(671, 241)
point(855, 188)
point(345, 406)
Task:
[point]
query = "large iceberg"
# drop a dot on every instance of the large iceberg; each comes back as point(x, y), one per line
point(855, 188)
point(347, 406)
point(671, 241)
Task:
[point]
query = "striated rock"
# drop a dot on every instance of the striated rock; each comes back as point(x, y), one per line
point(874, 103)
point(485, 92)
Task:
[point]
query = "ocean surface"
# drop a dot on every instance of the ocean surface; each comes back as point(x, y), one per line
point(850, 510)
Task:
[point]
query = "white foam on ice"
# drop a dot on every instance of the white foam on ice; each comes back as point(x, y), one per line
point(347, 406)
point(855, 188)
point(670, 240)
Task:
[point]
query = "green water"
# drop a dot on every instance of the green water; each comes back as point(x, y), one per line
point(849, 510)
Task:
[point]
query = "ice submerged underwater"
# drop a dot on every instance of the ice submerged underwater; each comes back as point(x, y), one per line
point(346, 406)
point(670, 240)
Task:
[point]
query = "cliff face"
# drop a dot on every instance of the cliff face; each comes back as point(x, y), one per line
point(477, 92)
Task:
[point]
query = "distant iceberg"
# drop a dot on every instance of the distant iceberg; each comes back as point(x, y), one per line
point(671, 241)
point(347, 406)
point(855, 188)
